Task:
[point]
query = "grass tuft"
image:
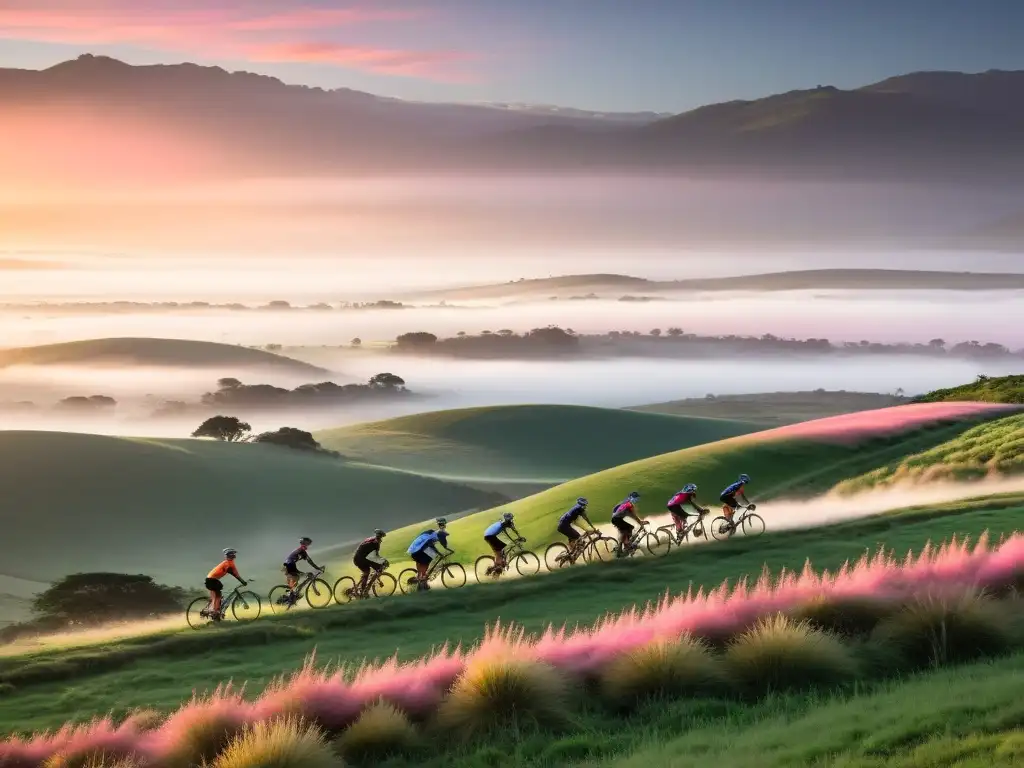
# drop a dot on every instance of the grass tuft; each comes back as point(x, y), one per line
point(143, 720)
point(380, 731)
point(509, 693)
point(780, 654)
point(675, 668)
point(844, 616)
point(281, 743)
point(198, 732)
point(932, 631)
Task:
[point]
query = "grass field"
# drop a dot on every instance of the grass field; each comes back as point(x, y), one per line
point(545, 444)
point(178, 353)
point(167, 507)
point(772, 409)
point(993, 449)
point(999, 389)
point(161, 670)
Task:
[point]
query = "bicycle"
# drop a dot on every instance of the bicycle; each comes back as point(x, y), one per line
point(559, 555)
point(199, 614)
point(676, 538)
point(527, 563)
point(379, 583)
point(317, 592)
point(751, 524)
point(453, 575)
point(652, 544)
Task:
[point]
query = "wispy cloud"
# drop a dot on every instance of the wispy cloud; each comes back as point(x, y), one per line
point(255, 30)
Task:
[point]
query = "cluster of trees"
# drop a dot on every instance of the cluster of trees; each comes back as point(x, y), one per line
point(551, 339)
point(76, 403)
point(86, 599)
point(231, 429)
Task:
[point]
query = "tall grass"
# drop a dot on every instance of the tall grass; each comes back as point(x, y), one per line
point(283, 743)
point(381, 731)
point(511, 679)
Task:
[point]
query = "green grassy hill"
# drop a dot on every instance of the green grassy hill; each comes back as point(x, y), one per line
point(153, 352)
point(1000, 389)
point(167, 507)
point(779, 465)
point(772, 409)
point(544, 444)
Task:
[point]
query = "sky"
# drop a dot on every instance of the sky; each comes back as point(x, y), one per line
point(661, 55)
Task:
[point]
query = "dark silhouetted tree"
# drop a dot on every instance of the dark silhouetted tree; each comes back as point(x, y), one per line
point(356, 342)
point(90, 598)
point(656, 332)
point(289, 437)
point(416, 340)
point(228, 384)
point(93, 402)
point(230, 429)
point(675, 332)
point(387, 381)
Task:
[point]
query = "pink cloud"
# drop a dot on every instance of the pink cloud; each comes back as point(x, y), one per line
point(256, 30)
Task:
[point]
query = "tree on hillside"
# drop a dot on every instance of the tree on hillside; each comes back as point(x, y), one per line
point(387, 381)
point(656, 332)
point(356, 342)
point(290, 437)
point(416, 340)
point(93, 402)
point(230, 429)
point(228, 383)
point(90, 598)
point(675, 332)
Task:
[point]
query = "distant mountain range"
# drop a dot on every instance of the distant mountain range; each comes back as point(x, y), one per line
point(924, 125)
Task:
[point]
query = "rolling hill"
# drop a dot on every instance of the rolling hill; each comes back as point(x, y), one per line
point(176, 353)
point(166, 508)
point(540, 444)
point(998, 389)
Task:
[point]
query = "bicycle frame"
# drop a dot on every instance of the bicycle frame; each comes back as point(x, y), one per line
point(437, 565)
point(307, 578)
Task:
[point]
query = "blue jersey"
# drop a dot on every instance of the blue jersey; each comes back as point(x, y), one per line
point(573, 514)
point(495, 528)
point(294, 557)
point(426, 539)
point(732, 490)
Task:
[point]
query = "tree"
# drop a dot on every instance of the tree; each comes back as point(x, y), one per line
point(90, 598)
point(387, 381)
point(228, 384)
point(289, 437)
point(356, 342)
point(656, 332)
point(675, 332)
point(505, 333)
point(93, 402)
point(416, 340)
point(227, 428)
point(937, 343)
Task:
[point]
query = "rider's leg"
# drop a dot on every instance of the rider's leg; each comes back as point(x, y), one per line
point(365, 577)
point(215, 601)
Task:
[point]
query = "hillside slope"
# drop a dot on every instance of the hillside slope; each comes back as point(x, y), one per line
point(543, 443)
point(1000, 389)
point(153, 352)
point(772, 409)
point(76, 502)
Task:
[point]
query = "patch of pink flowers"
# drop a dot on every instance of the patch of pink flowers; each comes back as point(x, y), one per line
point(334, 698)
point(852, 427)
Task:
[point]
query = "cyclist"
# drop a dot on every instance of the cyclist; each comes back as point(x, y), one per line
point(367, 557)
point(423, 551)
point(214, 584)
point(565, 523)
point(729, 496)
point(491, 536)
point(627, 508)
point(291, 567)
point(677, 508)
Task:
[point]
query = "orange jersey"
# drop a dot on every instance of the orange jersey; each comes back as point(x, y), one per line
point(228, 566)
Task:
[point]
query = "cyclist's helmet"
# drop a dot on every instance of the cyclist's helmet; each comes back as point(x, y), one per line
point(582, 502)
point(689, 488)
point(508, 517)
point(441, 522)
point(634, 495)
point(744, 478)
point(305, 540)
point(230, 553)
point(379, 533)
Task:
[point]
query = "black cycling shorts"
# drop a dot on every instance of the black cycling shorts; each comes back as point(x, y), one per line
point(215, 585)
point(364, 564)
point(291, 569)
point(495, 542)
point(568, 531)
point(678, 510)
point(422, 558)
point(622, 525)
point(730, 501)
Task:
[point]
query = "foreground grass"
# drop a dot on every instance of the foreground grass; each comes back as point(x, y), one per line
point(45, 689)
point(995, 448)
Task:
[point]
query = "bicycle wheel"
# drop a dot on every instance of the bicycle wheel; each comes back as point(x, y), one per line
point(343, 589)
point(699, 531)
point(603, 549)
point(556, 556)
point(246, 607)
point(318, 593)
point(194, 613)
point(721, 528)
point(668, 533)
point(385, 585)
point(408, 581)
point(657, 544)
point(527, 563)
point(752, 525)
point(278, 593)
point(483, 569)
point(453, 576)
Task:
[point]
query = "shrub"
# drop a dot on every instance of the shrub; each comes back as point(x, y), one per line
point(285, 743)
point(504, 693)
point(381, 730)
point(779, 654)
point(143, 720)
point(198, 732)
point(845, 616)
point(663, 668)
point(932, 631)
